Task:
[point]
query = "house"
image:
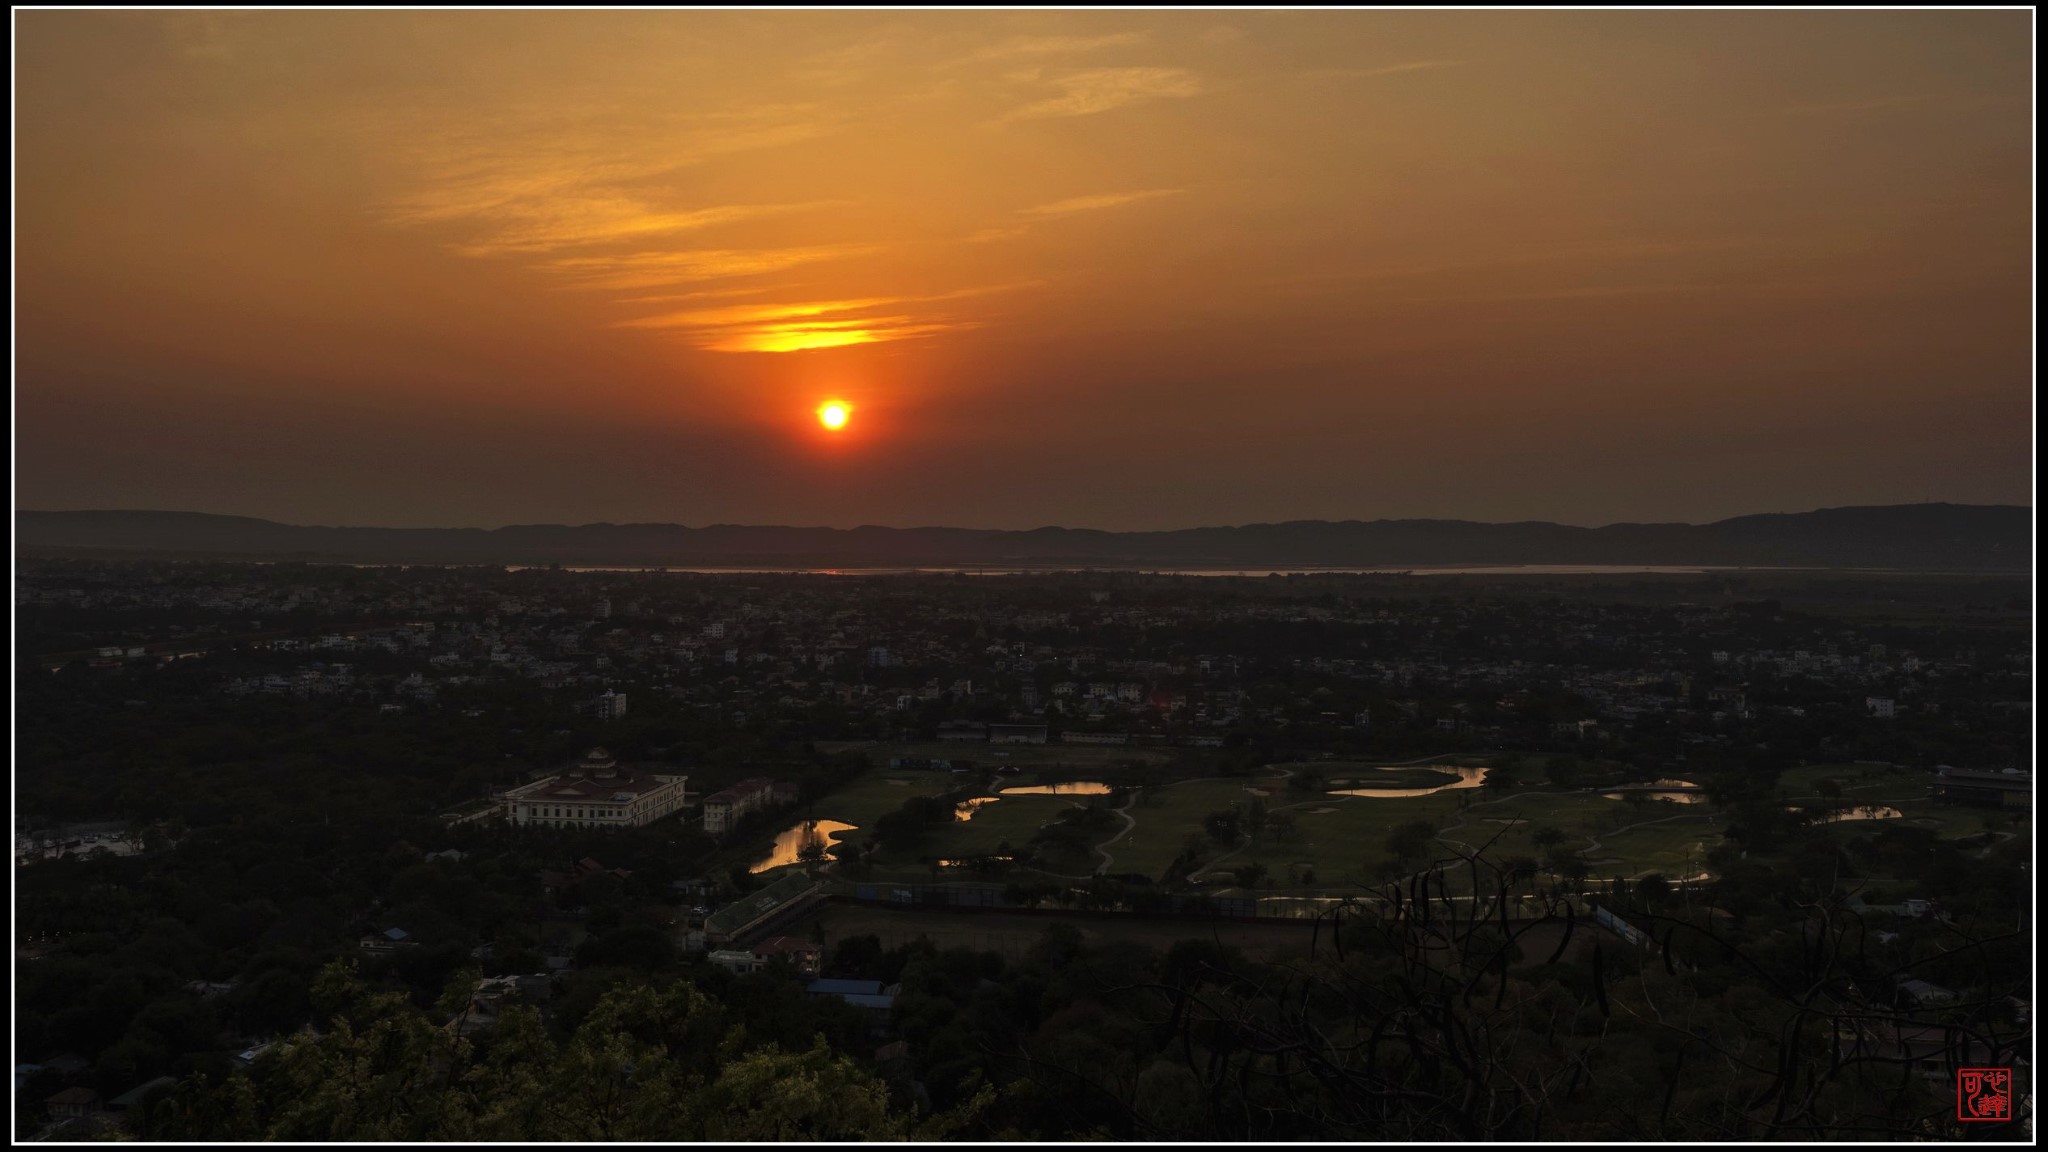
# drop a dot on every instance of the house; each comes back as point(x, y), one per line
point(141, 1093)
point(737, 960)
point(865, 994)
point(493, 994)
point(723, 809)
point(802, 954)
point(72, 1103)
point(1921, 994)
point(390, 940)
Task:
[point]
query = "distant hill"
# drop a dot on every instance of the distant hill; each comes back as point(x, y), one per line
point(1911, 536)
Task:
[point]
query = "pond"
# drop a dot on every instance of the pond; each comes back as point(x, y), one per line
point(1686, 796)
point(1467, 778)
point(1069, 788)
point(789, 843)
point(966, 808)
point(1862, 812)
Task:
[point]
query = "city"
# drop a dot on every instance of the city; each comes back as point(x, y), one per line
point(535, 781)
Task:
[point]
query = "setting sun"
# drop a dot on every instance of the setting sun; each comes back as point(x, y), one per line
point(832, 414)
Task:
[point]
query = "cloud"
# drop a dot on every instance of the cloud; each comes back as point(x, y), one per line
point(1092, 203)
point(1386, 70)
point(652, 269)
point(547, 178)
point(1093, 90)
point(755, 313)
point(1026, 46)
point(586, 221)
point(803, 325)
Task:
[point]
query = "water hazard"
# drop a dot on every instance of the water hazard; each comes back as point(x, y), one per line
point(790, 843)
point(1467, 778)
point(1862, 812)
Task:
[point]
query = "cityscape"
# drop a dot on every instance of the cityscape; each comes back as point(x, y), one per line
point(1018, 576)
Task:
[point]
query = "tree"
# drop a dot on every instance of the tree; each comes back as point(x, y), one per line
point(1222, 826)
point(1249, 876)
point(1411, 841)
point(1654, 889)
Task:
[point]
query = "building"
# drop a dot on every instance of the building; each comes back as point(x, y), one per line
point(779, 902)
point(72, 1103)
point(1017, 733)
point(802, 954)
point(723, 809)
point(610, 706)
point(1095, 738)
point(1985, 789)
point(142, 1095)
point(868, 995)
point(1921, 994)
point(1881, 707)
point(963, 731)
point(596, 792)
point(737, 960)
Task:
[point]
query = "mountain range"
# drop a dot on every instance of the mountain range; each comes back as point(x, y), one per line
point(1921, 537)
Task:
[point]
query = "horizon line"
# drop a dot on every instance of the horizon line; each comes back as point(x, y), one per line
point(1039, 528)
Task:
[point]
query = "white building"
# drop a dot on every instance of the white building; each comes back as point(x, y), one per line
point(1881, 707)
point(610, 706)
point(596, 793)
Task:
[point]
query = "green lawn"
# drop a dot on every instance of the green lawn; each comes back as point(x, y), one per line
point(1166, 816)
point(1012, 818)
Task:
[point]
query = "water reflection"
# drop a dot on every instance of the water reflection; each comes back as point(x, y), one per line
point(1688, 796)
point(1865, 812)
point(789, 843)
point(966, 808)
point(1070, 788)
point(1467, 778)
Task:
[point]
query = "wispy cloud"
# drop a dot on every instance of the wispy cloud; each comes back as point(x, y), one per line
point(587, 221)
point(1093, 90)
point(1385, 70)
point(804, 325)
point(1028, 46)
point(1092, 203)
point(653, 269)
point(755, 313)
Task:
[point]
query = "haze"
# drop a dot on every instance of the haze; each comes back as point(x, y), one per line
point(1116, 270)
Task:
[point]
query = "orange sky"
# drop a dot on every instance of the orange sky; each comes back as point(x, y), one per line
point(1118, 270)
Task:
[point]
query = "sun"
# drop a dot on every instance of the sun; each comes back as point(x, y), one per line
point(833, 413)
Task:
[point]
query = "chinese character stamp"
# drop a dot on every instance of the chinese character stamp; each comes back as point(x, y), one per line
point(1983, 1093)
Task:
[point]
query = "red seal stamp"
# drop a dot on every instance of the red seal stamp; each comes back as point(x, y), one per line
point(1983, 1093)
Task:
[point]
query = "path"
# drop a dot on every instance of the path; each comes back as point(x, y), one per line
point(1130, 822)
